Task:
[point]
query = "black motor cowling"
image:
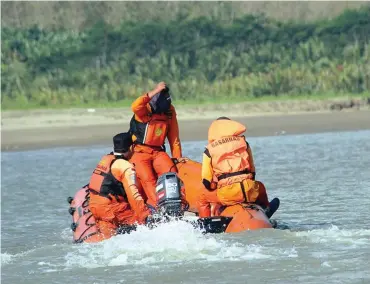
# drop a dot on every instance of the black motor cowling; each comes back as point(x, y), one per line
point(168, 191)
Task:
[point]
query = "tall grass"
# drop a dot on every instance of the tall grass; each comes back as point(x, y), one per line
point(202, 58)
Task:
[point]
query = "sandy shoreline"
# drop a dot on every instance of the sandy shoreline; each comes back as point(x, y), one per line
point(50, 118)
point(69, 134)
point(37, 129)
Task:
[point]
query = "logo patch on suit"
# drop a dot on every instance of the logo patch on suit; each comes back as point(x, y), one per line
point(158, 132)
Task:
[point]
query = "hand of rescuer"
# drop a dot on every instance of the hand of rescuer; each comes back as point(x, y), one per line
point(160, 87)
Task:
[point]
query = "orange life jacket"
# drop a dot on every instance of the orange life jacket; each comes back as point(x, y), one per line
point(228, 152)
point(153, 132)
point(230, 160)
point(222, 128)
point(103, 183)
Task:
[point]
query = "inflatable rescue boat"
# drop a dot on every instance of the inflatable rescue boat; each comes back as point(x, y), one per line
point(236, 218)
point(232, 219)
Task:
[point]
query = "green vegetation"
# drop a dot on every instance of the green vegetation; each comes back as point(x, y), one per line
point(203, 59)
point(126, 103)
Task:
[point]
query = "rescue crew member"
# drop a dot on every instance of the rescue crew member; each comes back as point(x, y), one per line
point(154, 120)
point(114, 196)
point(228, 171)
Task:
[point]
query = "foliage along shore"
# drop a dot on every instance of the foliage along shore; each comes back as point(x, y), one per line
point(202, 59)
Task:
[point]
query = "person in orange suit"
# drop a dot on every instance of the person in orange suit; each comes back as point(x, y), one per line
point(228, 171)
point(114, 196)
point(154, 120)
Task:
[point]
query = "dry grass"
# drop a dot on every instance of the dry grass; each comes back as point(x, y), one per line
point(80, 14)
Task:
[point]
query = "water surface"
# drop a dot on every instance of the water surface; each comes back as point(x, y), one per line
point(323, 181)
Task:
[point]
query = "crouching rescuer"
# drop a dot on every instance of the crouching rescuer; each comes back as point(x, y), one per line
point(114, 196)
point(228, 171)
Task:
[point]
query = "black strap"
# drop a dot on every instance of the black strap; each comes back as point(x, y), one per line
point(101, 194)
point(243, 190)
point(117, 197)
point(99, 172)
point(108, 196)
point(206, 151)
point(223, 176)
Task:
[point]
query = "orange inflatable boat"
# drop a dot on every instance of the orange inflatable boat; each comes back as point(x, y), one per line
point(83, 225)
point(232, 219)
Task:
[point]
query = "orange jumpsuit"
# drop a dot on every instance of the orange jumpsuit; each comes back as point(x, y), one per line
point(114, 196)
point(149, 134)
point(228, 169)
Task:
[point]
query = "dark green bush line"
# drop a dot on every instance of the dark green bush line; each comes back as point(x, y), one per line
point(201, 59)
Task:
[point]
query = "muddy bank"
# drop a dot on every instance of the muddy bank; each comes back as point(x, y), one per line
point(65, 118)
point(190, 130)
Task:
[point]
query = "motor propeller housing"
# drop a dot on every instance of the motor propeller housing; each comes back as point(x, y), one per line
point(168, 191)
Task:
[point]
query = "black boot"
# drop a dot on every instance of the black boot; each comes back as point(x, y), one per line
point(274, 205)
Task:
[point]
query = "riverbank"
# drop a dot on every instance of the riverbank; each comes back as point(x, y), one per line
point(191, 130)
point(37, 129)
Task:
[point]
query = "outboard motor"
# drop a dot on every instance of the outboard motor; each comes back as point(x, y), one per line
point(168, 191)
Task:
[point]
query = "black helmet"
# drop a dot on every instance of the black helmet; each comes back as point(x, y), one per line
point(122, 142)
point(161, 102)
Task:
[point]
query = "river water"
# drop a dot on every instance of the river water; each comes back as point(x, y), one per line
point(322, 180)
